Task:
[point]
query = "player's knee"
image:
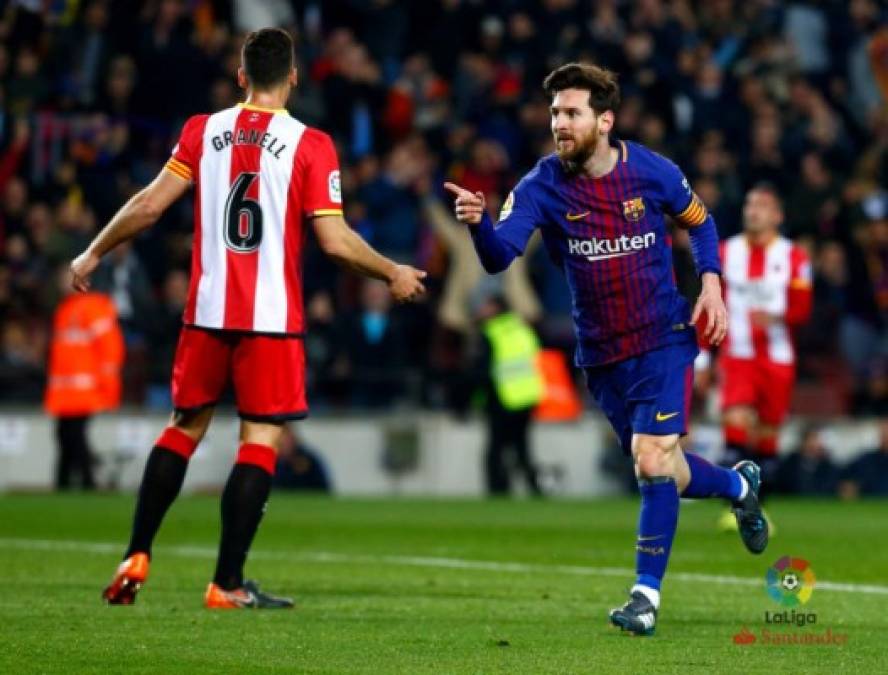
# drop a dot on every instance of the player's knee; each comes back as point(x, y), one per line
point(654, 455)
point(192, 423)
point(648, 465)
point(261, 433)
point(739, 417)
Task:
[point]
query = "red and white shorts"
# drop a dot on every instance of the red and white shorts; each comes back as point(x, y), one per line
point(268, 373)
point(761, 384)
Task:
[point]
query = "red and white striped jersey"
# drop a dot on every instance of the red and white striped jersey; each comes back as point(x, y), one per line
point(775, 279)
point(258, 173)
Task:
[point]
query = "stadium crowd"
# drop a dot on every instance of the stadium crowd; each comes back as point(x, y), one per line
point(94, 93)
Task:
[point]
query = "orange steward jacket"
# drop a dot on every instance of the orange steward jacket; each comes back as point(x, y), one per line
point(85, 356)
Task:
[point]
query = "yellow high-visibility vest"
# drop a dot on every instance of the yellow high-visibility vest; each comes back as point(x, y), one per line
point(514, 348)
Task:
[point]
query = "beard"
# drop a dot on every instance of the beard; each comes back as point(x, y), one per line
point(574, 159)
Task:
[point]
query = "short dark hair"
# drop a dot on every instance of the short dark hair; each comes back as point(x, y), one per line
point(267, 56)
point(601, 83)
point(770, 188)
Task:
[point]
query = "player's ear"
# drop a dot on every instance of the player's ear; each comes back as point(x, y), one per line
point(606, 121)
point(293, 77)
point(242, 81)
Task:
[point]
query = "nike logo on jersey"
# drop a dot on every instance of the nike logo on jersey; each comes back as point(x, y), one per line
point(602, 249)
point(662, 418)
point(577, 216)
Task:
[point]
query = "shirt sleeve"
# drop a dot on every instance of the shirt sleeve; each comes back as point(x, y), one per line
point(519, 217)
point(322, 191)
point(677, 198)
point(498, 245)
point(184, 159)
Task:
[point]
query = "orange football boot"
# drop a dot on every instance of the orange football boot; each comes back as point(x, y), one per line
point(247, 596)
point(127, 581)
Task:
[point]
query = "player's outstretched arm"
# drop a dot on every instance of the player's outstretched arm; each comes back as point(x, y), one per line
point(344, 245)
point(141, 211)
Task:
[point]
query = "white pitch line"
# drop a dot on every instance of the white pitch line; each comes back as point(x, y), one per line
point(424, 561)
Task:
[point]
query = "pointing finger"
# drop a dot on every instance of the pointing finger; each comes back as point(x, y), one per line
point(455, 189)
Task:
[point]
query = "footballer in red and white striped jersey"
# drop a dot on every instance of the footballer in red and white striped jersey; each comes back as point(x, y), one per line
point(775, 279)
point(768, 291)
point(757, 360)
point(258, 175)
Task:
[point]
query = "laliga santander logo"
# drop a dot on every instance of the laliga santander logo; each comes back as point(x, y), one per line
point(790, 581)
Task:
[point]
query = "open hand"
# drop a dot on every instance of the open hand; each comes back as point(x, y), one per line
point(406, 284)
point(710, 302)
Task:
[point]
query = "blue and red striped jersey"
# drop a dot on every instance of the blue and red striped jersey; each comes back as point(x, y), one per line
point(609, 237)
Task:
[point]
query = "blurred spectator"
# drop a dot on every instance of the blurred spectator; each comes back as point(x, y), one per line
point(85, 357)
point(22, 374)
point(806, 28)
point(81, 52)
point(122, 276)
point(299, 466)
point(14, 206)
point(354, 94)
point(812, 204)
point(506, 369)
point(808, 470)
point(163, 336)
point(391, 202)
point(375, 350)
point(867, 476)
point(819, 337)
point(326, 364)
point(863, 336)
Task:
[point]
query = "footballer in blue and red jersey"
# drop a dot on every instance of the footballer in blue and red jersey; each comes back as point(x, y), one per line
point(601, 206)
point(609, 235)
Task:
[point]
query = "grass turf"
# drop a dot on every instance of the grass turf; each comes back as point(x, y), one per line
point(407, 586)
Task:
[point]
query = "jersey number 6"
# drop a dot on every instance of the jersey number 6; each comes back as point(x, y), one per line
point(243, 217)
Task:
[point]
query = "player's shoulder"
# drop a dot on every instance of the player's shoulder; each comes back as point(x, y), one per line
point(642, 157)
point(312, 136)
point(195, 124)
point(545, 171)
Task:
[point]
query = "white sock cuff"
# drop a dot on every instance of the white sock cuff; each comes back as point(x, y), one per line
point(651, 594)
point(744, 486)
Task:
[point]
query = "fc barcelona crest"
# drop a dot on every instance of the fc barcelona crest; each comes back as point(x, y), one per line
point(633, 209)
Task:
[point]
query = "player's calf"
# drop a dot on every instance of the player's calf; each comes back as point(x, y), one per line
point(706, 480)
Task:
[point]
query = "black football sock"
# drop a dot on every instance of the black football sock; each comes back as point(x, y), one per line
point(243, 503)
point(161, 482)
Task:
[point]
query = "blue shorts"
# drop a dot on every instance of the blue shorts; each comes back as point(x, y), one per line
point(646, 394)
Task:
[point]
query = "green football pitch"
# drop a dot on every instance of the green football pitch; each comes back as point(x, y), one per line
point(449, 586)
